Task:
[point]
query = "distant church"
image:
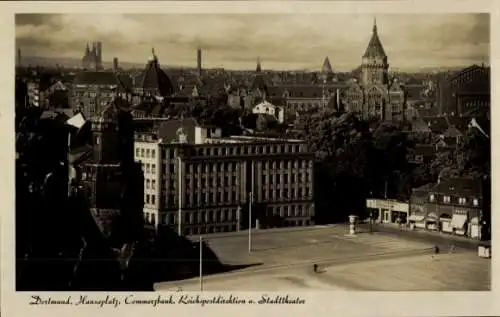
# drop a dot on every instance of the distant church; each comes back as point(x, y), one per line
point(375, 95)
point(92, 58)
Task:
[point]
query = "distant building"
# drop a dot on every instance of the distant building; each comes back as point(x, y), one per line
point(199, 62)
point(376, 95)
point(115, 64)
point(466, 93)
point(217, 176)
point(92, 91)
point(92, 58)
point(19, 59)
point(460, 206)
point(153, 82)
point(269, 109)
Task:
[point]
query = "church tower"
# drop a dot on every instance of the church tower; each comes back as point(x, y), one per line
point(374, 66)
point(110, 173)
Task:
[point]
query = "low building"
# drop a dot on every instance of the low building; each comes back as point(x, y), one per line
point(457, 206)
point(213, 183)
point(388, 210)
point(267, 108)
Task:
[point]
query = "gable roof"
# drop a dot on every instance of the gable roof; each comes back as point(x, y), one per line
point(459, 186)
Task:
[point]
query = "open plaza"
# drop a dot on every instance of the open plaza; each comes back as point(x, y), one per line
point(283, 259)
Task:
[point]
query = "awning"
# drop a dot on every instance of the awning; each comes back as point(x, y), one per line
point(431, 217)
point(458, 221)
point(474, 220)
point(444, 219)
point(416, 218)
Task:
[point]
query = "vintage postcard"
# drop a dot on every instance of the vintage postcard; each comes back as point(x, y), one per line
point(248, 158)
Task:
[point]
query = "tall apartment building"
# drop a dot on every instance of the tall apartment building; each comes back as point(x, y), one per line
point(212, 182)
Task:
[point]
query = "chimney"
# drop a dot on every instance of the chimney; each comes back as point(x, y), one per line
point(338, 99)
point(199, 61)
point(115, 64)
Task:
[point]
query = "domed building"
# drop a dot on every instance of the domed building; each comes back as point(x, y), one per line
point(375, 95)
point(154, 81)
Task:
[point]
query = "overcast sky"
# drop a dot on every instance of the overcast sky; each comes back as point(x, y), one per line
point(283, 41)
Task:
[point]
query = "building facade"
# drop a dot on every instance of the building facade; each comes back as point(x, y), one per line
point(465, 93)
point(213, 182)
point(92, 91)
point(457, 206)
point(375, 95)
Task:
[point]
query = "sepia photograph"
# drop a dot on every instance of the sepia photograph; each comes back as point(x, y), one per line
point(252, 152)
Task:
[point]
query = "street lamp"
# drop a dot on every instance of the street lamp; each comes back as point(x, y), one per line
point(179, 215)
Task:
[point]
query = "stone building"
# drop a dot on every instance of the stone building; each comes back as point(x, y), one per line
point(92, 91)
point(217, 176)
point(375, 95)
point(460, 206)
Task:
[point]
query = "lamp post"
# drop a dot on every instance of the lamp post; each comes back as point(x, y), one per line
point(250, 210)
point(201, 264)
point(179, 215)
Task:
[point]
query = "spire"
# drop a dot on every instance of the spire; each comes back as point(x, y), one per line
point(375, 48)
point(153, 57)
point(327, 67)
point(259, 68)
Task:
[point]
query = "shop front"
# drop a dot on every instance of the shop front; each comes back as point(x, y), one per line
point(390, 211)
point(417, 216)
point(445, 223)
point(459, 222)
point(475, 228)
point(432, 221)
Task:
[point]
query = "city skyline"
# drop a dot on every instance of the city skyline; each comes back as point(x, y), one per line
point(281, 41)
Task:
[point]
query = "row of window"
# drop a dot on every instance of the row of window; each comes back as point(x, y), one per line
point(146, 153)
point(459, 200)
point(241, 149)
point(148, 168)
point(284, 193)
point(150, 183)
point(225, 197)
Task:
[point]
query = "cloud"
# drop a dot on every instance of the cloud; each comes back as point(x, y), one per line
point(281, 40)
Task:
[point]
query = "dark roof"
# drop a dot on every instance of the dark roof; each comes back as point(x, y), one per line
point(375, 48)
point(154, 78)
point(303, 91)
point(80, 154)
point(413, 92)
point(436, 124)
point(419, 126)
point(452, 132)
point(423, 190)
point(485, 71)
point(95, 78)
point(461, 123)
point(459, 186)
point(168, 130)
point(327, 67)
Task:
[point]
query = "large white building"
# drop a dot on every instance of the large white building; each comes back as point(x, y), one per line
point(217, 176)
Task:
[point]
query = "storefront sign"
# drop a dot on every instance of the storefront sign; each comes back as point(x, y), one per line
point(387, 204)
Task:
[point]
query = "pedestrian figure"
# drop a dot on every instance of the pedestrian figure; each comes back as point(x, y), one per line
point(452, 248)
point(315, 267)
point(436, 249)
